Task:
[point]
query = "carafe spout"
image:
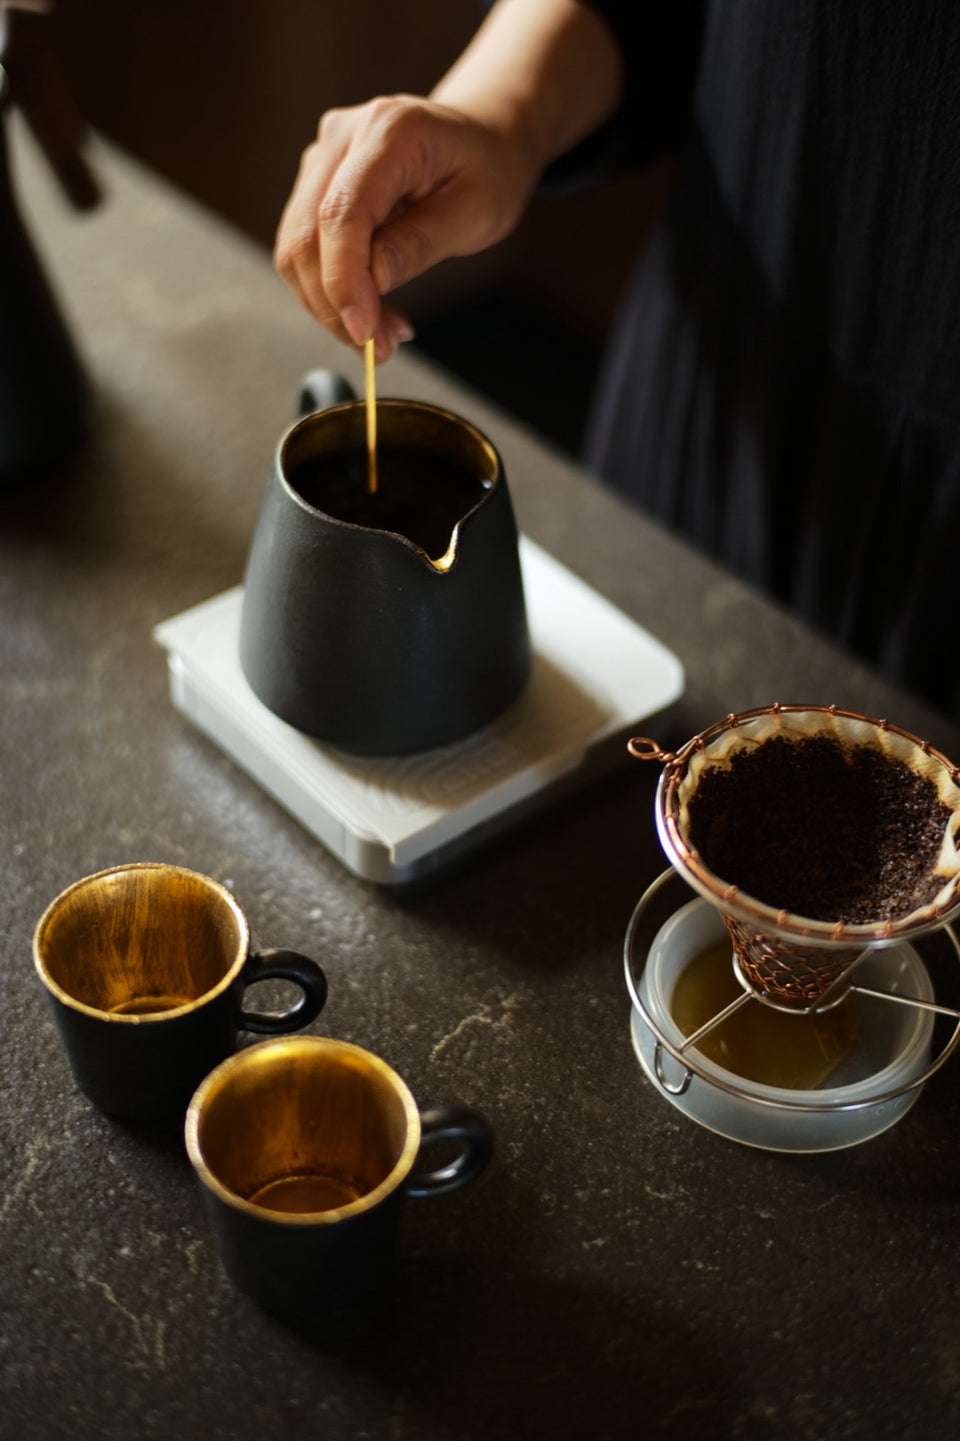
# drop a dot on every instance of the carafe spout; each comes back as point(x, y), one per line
point(444, 562)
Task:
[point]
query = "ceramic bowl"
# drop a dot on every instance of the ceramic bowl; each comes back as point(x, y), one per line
point(870, 1089)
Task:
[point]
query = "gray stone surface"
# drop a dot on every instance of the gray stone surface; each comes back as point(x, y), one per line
point(618, 1272)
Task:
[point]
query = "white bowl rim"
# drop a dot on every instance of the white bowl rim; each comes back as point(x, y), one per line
point(735, 1128)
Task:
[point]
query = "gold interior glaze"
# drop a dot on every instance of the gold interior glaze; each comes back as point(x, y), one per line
point(303, 1128)
point(140, 941)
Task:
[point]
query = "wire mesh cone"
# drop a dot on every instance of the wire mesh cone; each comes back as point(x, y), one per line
point(785, 970)
point(789, 958)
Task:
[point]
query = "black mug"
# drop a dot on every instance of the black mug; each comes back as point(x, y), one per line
point(145, 966)
point(305, 1148)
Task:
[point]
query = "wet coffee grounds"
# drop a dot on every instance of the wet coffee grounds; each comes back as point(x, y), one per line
point(827, 831)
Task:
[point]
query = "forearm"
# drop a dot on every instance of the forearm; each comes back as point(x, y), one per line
point(545, 73)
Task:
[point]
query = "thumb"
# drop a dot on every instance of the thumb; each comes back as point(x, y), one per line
point(400, 251)
point(423, 233)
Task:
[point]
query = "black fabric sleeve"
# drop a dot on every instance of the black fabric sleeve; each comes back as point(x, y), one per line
point(659, 41)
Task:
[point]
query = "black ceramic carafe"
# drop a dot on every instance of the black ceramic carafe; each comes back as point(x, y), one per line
point(354, 632)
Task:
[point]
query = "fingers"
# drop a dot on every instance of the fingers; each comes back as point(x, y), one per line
point(393, 159)
point(348, 182)
point(376, 203)
point(346, 220)
point(388, 189)
point(297, 254)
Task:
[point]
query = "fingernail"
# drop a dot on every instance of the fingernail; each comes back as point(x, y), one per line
point(382, 268)
point(355, 324)
point(402, 331)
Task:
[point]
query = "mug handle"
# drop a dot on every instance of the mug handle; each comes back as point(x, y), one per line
point(452, 1123)
point(283, 965)
point(322, 388)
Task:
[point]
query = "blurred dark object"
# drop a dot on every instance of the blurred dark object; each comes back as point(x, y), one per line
point(42, 387)
point(39, 91)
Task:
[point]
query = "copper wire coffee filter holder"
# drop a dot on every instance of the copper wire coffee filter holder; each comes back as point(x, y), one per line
point(790, 961)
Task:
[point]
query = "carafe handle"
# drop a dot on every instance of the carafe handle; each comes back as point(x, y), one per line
point(320, 389)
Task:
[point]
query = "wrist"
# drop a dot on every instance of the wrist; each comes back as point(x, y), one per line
point(540, 75)
point(507, 126)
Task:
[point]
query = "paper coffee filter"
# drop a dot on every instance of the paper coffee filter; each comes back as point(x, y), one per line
point(754, 729)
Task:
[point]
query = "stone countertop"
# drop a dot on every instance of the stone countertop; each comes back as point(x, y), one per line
point(618, 1271)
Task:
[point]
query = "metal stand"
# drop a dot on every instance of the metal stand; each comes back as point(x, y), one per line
point(655, 906)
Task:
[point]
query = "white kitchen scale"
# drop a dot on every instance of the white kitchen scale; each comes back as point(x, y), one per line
point(391, 819)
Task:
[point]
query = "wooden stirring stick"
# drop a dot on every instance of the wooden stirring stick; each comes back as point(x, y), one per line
point(371, 398)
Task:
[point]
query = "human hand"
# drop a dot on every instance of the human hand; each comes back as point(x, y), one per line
point(388, 189)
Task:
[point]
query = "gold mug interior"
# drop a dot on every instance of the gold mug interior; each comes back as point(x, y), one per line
point(303, 1128)
point(140, 940)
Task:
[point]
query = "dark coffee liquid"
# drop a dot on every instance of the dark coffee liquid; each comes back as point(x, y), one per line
point(831, 832)
point(420, 494)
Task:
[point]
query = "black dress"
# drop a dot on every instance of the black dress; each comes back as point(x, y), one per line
point(783, 385)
